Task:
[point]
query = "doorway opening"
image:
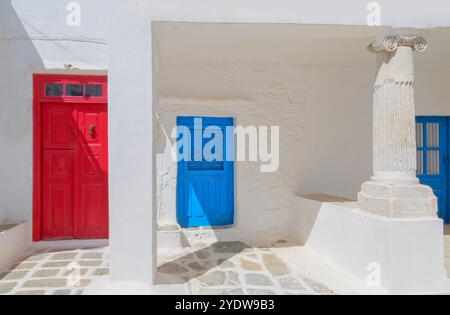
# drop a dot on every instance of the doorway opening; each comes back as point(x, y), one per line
point(433, 159)
point(205, 186)
point(70, 168)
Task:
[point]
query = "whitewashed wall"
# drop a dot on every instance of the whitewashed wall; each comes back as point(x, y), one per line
point(338, 133)
point(273, 97)
point(35, 37)
point(324, 116)
point(322, 103)
point(317, 89)
point(432, 91)
point(317, 95)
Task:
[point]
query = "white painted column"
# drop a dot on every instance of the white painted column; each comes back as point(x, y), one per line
point(131, 163)
point(394, 191)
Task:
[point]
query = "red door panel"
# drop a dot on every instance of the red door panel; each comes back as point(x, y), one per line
point(58, 126)
point(58, 194)
point(92, 166)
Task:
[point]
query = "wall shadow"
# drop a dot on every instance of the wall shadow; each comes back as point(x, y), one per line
point(18, 58)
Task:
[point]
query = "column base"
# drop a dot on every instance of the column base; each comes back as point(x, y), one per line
point(398, 200)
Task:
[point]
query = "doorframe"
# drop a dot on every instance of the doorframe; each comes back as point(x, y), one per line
point(38, 98)
point(420, 118)
point(227, 167)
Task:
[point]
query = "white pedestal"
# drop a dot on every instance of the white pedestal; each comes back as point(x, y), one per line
point(407, 253)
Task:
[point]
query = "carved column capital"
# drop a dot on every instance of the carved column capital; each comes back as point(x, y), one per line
point(391, 44)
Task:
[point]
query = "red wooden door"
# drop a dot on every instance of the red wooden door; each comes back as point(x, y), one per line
point(70, 157)
point(91, 215)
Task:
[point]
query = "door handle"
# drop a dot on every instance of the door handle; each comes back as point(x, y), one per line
point(92, 130)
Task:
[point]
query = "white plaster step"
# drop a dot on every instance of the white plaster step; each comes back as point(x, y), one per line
point(206, 236)
point(170, 239)
point(15, 239)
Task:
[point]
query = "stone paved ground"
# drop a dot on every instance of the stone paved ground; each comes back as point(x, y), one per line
point(55, 272)
point(223, 268)
point(231, 268)
point(236, 269)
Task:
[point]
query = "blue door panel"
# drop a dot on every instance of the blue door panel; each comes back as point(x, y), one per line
point(205, 189)
point(432, 159)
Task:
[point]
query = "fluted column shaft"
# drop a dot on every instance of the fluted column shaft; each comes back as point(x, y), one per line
point(394, 136)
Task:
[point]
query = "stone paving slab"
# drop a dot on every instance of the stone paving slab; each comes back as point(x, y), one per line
point(55, 272)
point(34, 292)
point(234, 268)
point(7, 287)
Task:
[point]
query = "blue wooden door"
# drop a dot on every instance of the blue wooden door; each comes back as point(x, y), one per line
point(205, 187)
point(432, 159)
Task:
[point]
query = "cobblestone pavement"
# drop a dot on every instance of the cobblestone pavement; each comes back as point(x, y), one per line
point(234, 268)
point(55, 272)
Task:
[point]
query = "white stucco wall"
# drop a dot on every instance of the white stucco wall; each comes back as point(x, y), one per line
point(338, 133)
point(322, 102)
point(432, 92)
point(131, 148)
point(256, 95)
point(34, 37)
point(318, 109)
point(399, 13)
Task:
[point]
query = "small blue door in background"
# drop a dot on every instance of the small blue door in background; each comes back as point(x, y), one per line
point(432, 159)
point(205, 189)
